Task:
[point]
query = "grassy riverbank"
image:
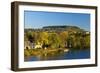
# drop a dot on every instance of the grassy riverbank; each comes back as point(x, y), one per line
point(36, 52)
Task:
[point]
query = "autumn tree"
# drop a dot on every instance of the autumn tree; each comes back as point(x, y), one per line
point(63, 37)
point(54, 40)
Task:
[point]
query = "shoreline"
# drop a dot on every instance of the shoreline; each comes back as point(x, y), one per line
point(36, 52)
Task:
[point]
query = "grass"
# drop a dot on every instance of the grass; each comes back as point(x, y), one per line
point(38, 52)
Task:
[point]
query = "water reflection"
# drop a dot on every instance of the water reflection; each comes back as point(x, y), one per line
point(78, 54)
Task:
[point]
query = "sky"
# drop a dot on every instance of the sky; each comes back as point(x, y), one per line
point(39, 19)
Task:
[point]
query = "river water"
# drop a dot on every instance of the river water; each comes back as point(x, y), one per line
point(76, 54)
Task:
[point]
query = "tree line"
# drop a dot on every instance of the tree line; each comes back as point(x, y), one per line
point(63, 39)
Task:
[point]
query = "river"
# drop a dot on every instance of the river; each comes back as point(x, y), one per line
point(76, 54)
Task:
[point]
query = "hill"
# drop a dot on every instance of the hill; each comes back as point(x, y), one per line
point(57, 29)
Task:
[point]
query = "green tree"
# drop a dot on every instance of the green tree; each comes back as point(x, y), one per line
point(63, 38)
point(54, 40)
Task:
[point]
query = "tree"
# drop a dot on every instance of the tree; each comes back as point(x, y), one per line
point(87, 41)
point(42, 38)
point(54, 40)
point(30, 36)
point(63, 37)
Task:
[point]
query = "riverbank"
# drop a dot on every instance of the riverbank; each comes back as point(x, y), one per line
point(43, 52)
point(61, 55)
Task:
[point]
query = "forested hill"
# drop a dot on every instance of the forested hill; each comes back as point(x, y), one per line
point(62, 27)
point(58, 28)
point(75, 28)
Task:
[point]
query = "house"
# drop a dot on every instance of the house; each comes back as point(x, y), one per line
point(38, 45)
point(28, 45)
